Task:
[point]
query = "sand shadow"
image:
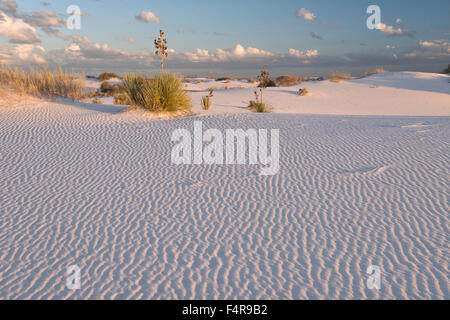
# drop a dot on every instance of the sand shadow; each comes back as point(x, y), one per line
point(359, 170)
point(101, 108)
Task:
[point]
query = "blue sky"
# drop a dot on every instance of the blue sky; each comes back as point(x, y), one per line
point(336, 39)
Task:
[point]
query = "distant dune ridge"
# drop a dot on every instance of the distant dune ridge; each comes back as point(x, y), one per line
point(391, 93)
point(89, 185)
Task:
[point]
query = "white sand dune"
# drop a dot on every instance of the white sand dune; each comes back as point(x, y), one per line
point(86, 185)
point(391, 93)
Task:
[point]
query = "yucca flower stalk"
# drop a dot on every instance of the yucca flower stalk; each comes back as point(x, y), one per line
point(263, 79)
point(161, 48)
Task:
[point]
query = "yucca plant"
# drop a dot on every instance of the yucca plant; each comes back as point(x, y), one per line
point(265, 81)
point(207, 100)
point(162, 93)
point(257, 105)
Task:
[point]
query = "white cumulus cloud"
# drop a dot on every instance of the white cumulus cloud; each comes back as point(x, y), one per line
point(391, 31)
point(17, 31)
point(303, 54)
point(148, 16)
point(305, 14)
point(22, 54)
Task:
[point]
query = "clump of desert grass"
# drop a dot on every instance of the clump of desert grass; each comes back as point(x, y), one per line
point(163, 93)
point(110, 90)
point(303, 92)
point(375, 71)
point(258, 105)
point(226, 79)
point(339, 76)
point(105, 76)
point(43, 83)
point(121, 96)
point(207, 100)
point(289, 80)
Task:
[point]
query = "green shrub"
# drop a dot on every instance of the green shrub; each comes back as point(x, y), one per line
point(265, 80)
point(106, 87)
point(111, 90)
point(162, 93)
point(122, 99)
point(107, 76)
point(268, 83)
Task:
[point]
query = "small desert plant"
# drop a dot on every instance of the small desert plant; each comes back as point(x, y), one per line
point(162, 93)
point(252, 80)
point(257, 105)
point(97, 101)
point(225, 79)
point(207, 100)
point(121, 98)
point(376, 71)
point(107, 76)
point(447, 71)
point(264, 82)
point(339, 76)
point(106, 87)
point(161, 48)
point(303, 92)
point(119, 94)
point(44, 82)
point(288, 80)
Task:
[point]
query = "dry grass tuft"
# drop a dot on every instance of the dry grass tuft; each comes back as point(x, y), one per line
point(258, 106)
point(207, 100)
point(289, 80)
point(376, 71)
point(339, 76)
point(303, 92)
point(108, 76)
point(43, 82)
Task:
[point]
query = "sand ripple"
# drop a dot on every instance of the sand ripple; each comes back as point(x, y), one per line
point(95, 189)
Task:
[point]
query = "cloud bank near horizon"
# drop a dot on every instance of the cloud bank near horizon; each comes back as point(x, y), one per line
point(24, 31)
